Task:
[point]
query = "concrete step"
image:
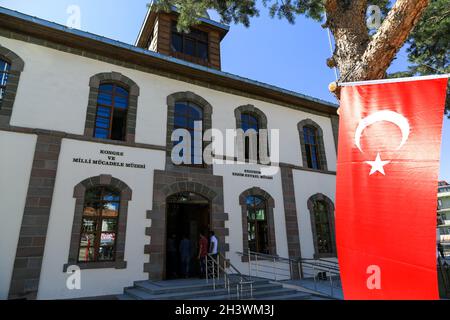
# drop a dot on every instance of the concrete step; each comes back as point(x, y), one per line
point(257, 295)
point(154, 288)
point(144, 294)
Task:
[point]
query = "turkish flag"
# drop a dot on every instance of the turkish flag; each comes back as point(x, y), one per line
point(387, 179)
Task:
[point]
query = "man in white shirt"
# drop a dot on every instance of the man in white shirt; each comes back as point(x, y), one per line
point(213, 245)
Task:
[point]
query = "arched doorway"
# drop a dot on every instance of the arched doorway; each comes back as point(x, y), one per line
point(188, 214)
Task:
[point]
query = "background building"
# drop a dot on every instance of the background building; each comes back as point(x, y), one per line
point(443, 211)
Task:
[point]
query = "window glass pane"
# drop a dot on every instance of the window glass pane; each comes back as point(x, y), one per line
point(120, 102)
point(3, 78)
point(106, 88)
point(118, 124)
point(106, 254)
point(86, 254)
point(121, 92)
point(110, 195)
point(110, 209)
point(89, 225)
point(87, 240)
point(260, 214)
point(104, 98)
point(177, 42)
point(189, 46)
point(103, 112)
point(89, 210)
point(109, 225)
point(101, 133)
point(107, 239)
point(102, 123)
point(202, 50)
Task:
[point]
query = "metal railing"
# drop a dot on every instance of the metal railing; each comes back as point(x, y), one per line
point(219, 267)
point(319, 271)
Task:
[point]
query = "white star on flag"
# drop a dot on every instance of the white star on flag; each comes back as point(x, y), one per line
point(377, 165)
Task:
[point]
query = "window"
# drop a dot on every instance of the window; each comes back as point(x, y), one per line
point(322, 227)
point(194, 43)
point(99, 225)
point(249, 122)
point(186, 114)
point(439, 204)
point(111, 117)
point(311, 147)
point(4, 73)
point(258, 239)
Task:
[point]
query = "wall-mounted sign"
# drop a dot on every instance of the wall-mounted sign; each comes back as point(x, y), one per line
point(112, 158)
point(255, 174)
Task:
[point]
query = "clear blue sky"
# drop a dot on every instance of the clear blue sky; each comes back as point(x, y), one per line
point(271, 50)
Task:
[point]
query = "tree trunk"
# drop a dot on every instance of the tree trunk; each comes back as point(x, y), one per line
point(358, 56)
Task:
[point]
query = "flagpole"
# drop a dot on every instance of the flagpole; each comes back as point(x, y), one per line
point(368, 82)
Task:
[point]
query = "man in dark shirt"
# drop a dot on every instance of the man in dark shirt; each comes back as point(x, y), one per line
point(185, 255)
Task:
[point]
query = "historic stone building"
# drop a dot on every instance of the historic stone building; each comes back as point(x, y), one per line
point(86, 175)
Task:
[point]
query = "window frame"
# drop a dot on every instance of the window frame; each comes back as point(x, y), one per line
point(91, 112)
point(16, 66)
point(191, 37)
point(270, 205)
point(79, 194)
point(320, 146)
point(262, 119)
point(112, 109)
point(4, 75)
point(193, 105)
point(256, 121)
point(308, 133)
point(172, 99)
point(99, 224)
point(258, 224)
point(331, 221)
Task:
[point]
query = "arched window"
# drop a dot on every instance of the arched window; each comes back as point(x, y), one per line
point(250, 122)
point(11, 67)
point(311, 147)
point(322, 222)
point(112, 108)
point(186, 114)
point(258, 231)
point(4, 73)
point(249, 117)
point(323, 229)
point(258, 224)
point(99, 225)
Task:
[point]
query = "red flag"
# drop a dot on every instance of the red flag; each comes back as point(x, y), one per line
point(387, 174)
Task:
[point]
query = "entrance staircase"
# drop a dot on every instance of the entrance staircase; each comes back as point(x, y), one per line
point(198, 289)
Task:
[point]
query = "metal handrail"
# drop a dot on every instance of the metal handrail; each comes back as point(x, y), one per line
point(217, 268)
point(307, 268)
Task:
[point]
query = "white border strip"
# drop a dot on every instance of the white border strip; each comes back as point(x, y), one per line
point(346, 84)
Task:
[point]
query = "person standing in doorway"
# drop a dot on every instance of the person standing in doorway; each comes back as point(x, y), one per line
point(172, 255)
point(185, 255)
point(202, 253)
point(213, 247)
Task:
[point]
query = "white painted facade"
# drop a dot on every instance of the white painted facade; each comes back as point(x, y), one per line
point(53, 95)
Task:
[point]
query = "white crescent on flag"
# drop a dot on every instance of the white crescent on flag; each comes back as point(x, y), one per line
point(385, 115)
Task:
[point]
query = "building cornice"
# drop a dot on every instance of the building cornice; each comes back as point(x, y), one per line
point(38, 31)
